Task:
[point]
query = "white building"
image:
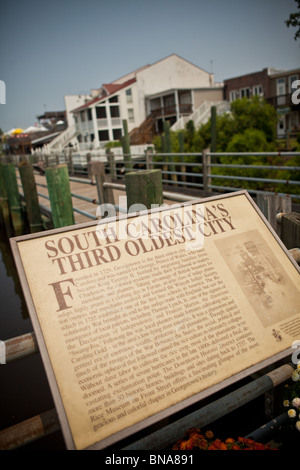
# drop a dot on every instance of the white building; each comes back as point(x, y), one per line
point(171, 89)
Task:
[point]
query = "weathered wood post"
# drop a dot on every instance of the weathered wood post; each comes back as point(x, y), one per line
point(181, 150)
point(4, 208)
point(169, 149)
point(273, 204)
point(14, 200)
point(71, 163)
point(164, 158)
point(290, 230)
point(148, 152)
point(126, 147)
point(33, 212)
point(111, 161)
point(213, 125)
point(60, 195)
point(143, 187)
point(97, 170)
point(206, 169)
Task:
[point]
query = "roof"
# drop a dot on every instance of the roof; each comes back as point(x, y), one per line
point(52, 114)
point(109, 89)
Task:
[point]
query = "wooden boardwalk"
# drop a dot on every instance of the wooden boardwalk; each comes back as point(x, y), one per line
point(84, 188)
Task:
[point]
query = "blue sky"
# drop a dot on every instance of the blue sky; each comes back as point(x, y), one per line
point(54, 48)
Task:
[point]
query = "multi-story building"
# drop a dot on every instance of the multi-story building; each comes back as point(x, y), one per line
point(174, 90)
point(276, 86)
point(282, 95)
point(169, 89)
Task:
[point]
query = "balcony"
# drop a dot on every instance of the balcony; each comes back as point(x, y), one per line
point(283, 100)
point(184, 109)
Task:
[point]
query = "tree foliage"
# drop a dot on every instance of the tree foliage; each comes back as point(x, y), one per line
point(233, 129)
point(250, 126)
point(294, 21)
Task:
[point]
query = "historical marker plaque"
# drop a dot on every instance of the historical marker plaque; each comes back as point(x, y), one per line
point(139, 316)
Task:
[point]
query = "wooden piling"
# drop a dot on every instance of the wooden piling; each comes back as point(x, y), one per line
point(181, 150)
point(271, 205)
point(5, 219)
point(171, 166)
point(33, 213)
point(14, 200)
point(290, 230)
point(206, 160)
point(144, 187)
point(111, 161)
point(60, 195)
point(97, 170)
point(126, 147)
point(213, 128)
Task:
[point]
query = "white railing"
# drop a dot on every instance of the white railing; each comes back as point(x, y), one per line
point(201, 115)
point(64, 138)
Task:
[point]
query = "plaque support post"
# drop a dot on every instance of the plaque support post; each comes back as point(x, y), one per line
point(144, 187)
point(60, 196)
point(31, 199)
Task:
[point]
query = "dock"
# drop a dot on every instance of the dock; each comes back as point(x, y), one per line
point(84, 192)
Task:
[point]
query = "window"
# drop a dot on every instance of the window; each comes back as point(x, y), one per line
point(89, 114)
point(257, 90)
point(155, 104)
point(129, 95)
point(82, 116)
point(280, 89)
point(92, 137)
point(245, 92)
point(292, 79)
point(117, 134)
point(114, 99)
point(103, 135)
point(169, 100)
point(101, 112)
point(233, 95)
point(130, 115)
point(280, 86)
point(114, 111)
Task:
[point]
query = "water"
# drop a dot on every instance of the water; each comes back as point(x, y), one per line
point(24, 389)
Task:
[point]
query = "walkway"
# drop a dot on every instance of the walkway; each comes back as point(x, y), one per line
point(84, 189)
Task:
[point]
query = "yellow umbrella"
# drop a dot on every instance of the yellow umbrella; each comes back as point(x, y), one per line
point(17, 131)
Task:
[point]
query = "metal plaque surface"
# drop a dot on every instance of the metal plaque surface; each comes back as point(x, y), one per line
point(139, 316)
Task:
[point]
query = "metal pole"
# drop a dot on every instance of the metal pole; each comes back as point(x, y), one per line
point(165, 437)
point(46, 423)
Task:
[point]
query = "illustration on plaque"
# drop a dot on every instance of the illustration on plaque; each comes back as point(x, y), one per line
point(263, 280)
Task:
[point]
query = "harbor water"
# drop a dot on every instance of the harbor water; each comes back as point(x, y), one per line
point(24, 389)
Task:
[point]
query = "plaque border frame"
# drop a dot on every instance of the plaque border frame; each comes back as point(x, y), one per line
point(167, 412)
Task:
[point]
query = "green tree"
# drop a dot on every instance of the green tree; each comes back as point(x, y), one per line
point(245, 114)
point(294, 21)
point(248, 141)
point(254, 113)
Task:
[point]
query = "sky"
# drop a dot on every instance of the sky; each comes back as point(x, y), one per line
point(54, 48)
